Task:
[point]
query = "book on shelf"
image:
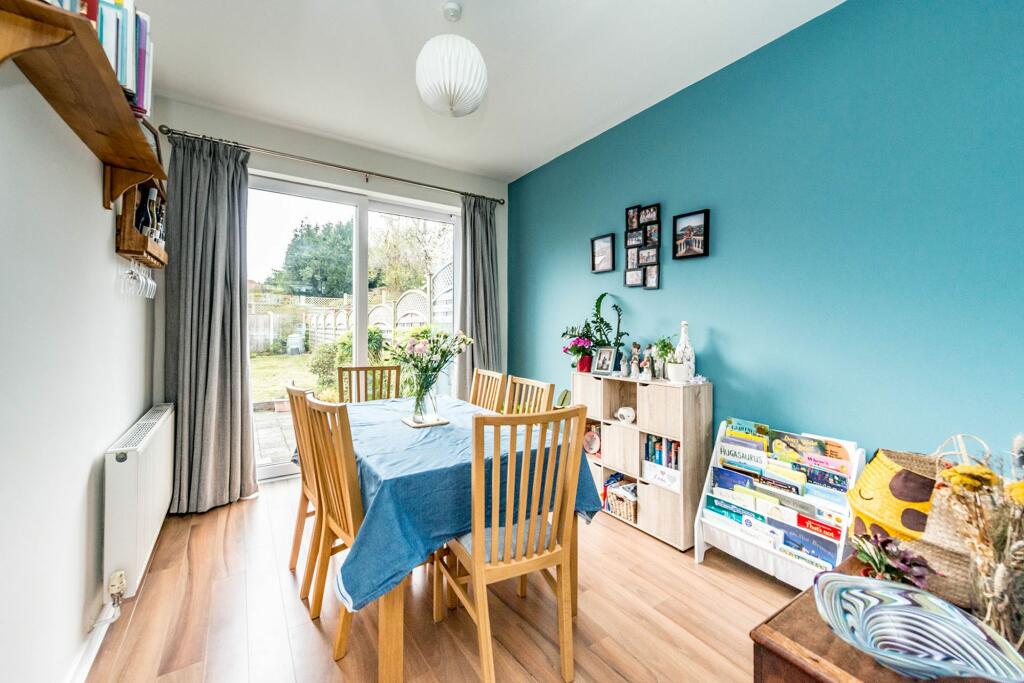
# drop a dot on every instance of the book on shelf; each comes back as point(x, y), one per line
point(661, 451)
point(126, 37)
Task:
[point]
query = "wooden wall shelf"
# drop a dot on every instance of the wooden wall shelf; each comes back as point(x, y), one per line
point(60, 54)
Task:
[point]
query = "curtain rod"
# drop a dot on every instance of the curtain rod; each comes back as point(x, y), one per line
point(167, 130)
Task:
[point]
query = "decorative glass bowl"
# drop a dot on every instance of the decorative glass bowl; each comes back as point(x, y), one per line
point(912, 631)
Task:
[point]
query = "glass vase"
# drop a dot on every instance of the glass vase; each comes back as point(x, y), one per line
point(424, 399)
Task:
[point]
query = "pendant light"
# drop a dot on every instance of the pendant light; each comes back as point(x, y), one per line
point(450, 71)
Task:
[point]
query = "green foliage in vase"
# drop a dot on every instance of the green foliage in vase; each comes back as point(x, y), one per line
point(597, 328)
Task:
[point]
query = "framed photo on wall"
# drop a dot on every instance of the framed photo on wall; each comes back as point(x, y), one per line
point(652, 277)
point(634, 238)
point(604, 360)
point(602, 253)
point(634, 277)
point(632, 218)
point(691, 234)
point(632, 258)
point(650, 214)
point(652, 233)
point(647, 256)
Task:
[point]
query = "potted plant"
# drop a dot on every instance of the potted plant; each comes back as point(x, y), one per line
point(581, 349)
point(665, 353)
point(886, 560)
point(424, 356)
point(599, 331)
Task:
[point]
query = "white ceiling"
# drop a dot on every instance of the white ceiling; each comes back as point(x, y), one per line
point(560, 72)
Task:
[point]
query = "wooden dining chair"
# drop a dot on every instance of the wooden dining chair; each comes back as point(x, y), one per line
point(308, 497)
point(527, 396)
point(487, 390)
point(369, 383)
point(511, 540)
point(341, 504)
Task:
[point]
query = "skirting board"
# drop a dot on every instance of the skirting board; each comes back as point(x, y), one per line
point(87, 655)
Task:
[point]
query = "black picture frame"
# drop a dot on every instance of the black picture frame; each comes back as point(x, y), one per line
point(644, 257)
point(637, 275)
point(656, 270)
point(652, 233)
point(632, 217)
point(635, 238)
point(610, 266)
point(632, 258)
point(650, 214)
point(683, 247)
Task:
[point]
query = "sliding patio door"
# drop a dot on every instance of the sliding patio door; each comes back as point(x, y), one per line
point(410, 278)
point(333, 277)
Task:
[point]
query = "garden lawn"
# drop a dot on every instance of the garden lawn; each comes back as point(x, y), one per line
point(270, 374)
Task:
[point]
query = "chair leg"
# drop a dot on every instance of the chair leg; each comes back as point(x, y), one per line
point(574, 564)
point(564, 593)
point(521, 587)
point(440, 609)
point(483, 630)
point(323, 563)
point(453, 567)
point(311, 555)
point(341, 635)
point(300, 526)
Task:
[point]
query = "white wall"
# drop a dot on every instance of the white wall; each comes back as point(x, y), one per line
point(75, 359)
point(220, 124)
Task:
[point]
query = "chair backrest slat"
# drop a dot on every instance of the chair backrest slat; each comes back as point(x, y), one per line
point(337, 474)
point(303, 440)
point(488, 389)
point(357, 384)
point(527, 396)
point(541, 471)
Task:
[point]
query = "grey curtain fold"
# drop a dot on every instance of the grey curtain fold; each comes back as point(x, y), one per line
point(478, 291)
point(206, 368)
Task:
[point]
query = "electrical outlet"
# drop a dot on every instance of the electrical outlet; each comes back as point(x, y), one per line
point(118, 583)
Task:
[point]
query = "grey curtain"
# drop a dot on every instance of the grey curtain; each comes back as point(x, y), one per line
point(478, 291)
point(206, 368)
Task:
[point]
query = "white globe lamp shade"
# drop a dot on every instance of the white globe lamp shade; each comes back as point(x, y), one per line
point(451, 75)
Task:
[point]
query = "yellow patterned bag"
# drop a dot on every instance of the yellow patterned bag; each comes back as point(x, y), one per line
point(892, 496)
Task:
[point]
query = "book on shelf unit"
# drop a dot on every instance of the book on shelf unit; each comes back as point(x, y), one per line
point(127, 39)
point(777, 499)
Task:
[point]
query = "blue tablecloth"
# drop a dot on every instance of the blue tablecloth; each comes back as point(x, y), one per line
point(417, 493)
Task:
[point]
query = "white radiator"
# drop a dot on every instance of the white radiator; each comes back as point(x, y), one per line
point(137, 473)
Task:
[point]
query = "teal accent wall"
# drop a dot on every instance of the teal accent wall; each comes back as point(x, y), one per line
point(865, 175)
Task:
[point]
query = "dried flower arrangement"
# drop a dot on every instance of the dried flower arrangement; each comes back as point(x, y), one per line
point(991, 514)
point(885, 559)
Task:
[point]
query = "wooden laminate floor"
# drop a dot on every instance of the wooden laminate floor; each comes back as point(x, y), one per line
point(220, 605)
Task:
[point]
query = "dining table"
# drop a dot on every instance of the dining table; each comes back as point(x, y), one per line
point(417, 492)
